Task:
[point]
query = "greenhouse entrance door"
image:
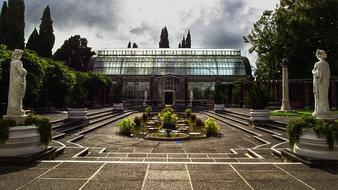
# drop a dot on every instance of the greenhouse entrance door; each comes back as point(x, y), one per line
point(168, 97)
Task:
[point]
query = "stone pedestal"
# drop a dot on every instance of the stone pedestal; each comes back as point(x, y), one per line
point(19, 120)
point(285, 100)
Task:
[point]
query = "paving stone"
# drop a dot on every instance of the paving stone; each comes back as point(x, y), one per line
point(314, 175)
point(226, 160)
point(15, 173)
point(69, 173)
point(254, 167)
point(80, 166)
point(9, 184)
point(120, 155)
point(197, 156)
point(177, 156)
point(265, 175)
point(166, 185)
point(43, 184)
point(116, 184)
point(213, 176)
point(137, 155)
point(209, 167)
point(167, 167)
point(204, 185)
point(120, 175)
point(157, 155)
point(155, 159)
point(277, 185)
point(178, 160)
point(324, 184)
point(125, 167)
point(132, 159)
point(201, 160)
point(154, 175)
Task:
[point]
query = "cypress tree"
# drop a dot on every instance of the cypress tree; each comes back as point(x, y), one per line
point(15, 19)
point(129, 45)
point(188, 40)
point(135, 45)
point(3, 24)
point(184, 43)
point(164, 41)
point(46, 35)
point(33, 41)
point(179, 45)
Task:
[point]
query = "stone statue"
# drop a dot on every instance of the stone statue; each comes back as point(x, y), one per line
point(191, 98)
point(145, 98)
point(321, 84)
point(17, 86)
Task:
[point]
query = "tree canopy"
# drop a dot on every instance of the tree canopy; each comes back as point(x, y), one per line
point(294, 30)
point(164, 38)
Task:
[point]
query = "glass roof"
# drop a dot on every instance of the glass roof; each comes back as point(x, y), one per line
point(170, 61)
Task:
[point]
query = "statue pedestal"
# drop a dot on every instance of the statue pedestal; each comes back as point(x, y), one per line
point(19, 120)
point(285, 105)
point(329, 116)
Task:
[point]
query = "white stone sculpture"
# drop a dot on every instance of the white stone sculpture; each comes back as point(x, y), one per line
point(321, 84)
point(191, 98)
point(17, 85)
point(145, 98)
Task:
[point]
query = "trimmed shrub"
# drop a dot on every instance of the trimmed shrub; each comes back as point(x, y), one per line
point(188, 112)
point(126, 126)
point(44, 126)
point(148, 110)
point(211, 127)
point(258, 97)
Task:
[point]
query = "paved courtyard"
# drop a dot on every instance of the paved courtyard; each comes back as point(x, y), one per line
point(102, 159)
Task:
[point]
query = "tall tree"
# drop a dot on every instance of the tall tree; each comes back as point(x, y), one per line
point(75, 53)
point(46, 34)
point(179, 45)
point(129, 45)
point(135, 45)
point(184, 45)
point(3, 23)
point(164, 38)
point(294, 30)
point(15, 24)
point(188, 40)
point(33, 41)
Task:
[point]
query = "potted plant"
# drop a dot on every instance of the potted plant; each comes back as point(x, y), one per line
point(78, 110)
point(211, 127)
point(313, 138)
point(126, 126)
point(257, 101)
point(148, 111)
point(219, 97)
point(168, 118)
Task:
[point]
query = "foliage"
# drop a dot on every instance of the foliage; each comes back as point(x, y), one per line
point(4, 129)
point(211, 127)
point(12, 24)
point(219, 93)
point(148, 110)
point(126, 126)
point(33, 41)
point(44, 126)
point(294, 30)
point(168, 118)
point(137, 121)
point(258, 96)
point(129, 45)
point(199, 122)
point(164, 40)
point(188, 40)
point(193, 117)
point(323, 128)
point(75, 53)
point(188, 112)
point(116, 93)
point(144, 117)
point(79, 92)
point(135, 45)
point(46, 35)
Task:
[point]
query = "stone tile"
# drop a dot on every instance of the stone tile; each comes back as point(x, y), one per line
point(166, 185)
point(277, 185)
point(226, 160)
point(126, 150)
point(209, 167)
point(125, 167)
point(214, 176)
point(80, 166)
point(120, 175)
point(119, 155)
point(197, 156)
point(69, 173)
point(323, 184)
point(167, 167)
point(42, 184)
point(137, 155)
point(212, 155)
point(158, 155)
point(250, 160)
point(16, 173)
point(254, 167)
point(12, 183)
point(178, 160)
point(265, 175)
point(202, 160)
point(155, 159)
point(116, 184)
point(177, 156)
point(160, 175)
point(132, 159)
point(205, 185)
point(314, 175)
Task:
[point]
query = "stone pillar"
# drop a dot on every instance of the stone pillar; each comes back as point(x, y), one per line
point(285, 100)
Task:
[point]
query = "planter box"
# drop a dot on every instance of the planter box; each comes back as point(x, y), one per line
point(77, 114)
point(23, 140)
point(219, 107)
point(259, 115)
point(310, 145)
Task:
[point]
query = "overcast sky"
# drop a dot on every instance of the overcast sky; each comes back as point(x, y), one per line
point(113, 23)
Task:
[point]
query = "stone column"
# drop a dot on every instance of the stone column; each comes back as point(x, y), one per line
point(285, 100)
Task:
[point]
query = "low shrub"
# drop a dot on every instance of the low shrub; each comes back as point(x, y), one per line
point(211, 127)
point(137, 121)
point(199, 123)
point(4, 129)
point(148, 110)
point(44, 126)
point(188, 112)
point(126, 126)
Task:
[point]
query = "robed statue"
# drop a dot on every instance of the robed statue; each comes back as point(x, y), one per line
point(321, 84)
point(17, 85)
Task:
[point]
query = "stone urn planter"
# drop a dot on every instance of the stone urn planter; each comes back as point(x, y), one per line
point(310, 145)
point(219, 107)
point(22, 140)
point(77, 114)
point(259, 115)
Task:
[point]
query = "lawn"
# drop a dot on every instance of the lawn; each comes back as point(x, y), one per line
point(295, 113)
